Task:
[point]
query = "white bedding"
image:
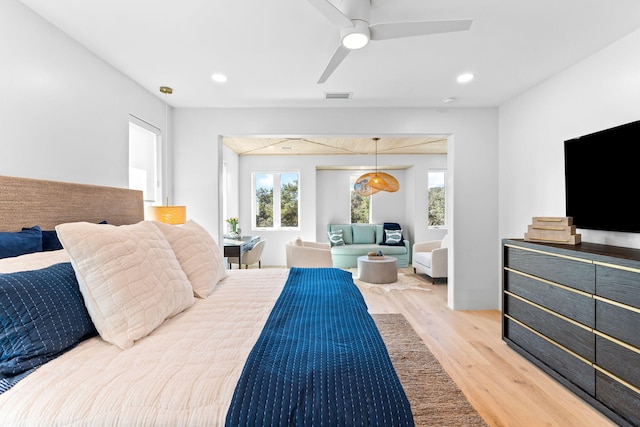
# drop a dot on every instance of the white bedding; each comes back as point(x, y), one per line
point(182, 374)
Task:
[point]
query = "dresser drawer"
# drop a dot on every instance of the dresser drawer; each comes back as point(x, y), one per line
point(565, 364)
point(618, 360)
point(574, 305)
point(618, 397)
point(565, 271)
point(567, 334)
point(618, 285)
point(618, 322)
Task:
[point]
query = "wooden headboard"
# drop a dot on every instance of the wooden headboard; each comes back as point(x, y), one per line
point(26, 202)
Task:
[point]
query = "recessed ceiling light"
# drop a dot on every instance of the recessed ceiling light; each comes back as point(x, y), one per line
point(219, 78)
point(465, 78)
point(448, 100)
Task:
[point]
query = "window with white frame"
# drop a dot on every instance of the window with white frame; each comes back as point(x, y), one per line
point(276, 201)
point(145, 173)
point(436, 188)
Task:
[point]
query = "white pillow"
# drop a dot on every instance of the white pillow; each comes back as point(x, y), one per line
point(198, 254)
point(129, 277)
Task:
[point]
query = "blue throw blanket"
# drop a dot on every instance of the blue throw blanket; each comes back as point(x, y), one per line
point(319, 361)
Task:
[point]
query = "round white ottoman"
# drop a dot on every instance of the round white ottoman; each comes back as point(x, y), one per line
point(378, 271)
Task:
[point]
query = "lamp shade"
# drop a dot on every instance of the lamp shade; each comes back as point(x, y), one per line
point(168, 214)
point(372, 182)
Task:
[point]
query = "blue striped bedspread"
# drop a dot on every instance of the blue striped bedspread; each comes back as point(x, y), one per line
point(319, 361)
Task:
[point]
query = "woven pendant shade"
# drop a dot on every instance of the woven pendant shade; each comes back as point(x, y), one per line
point(372, 182)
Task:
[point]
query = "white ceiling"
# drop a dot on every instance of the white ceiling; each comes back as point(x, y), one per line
point(274, 51)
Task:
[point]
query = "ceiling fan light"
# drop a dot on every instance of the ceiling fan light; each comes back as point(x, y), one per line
point(355, 41)
point(356, 37)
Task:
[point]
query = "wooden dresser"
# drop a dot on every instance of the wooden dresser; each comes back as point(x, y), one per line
point(574, 311)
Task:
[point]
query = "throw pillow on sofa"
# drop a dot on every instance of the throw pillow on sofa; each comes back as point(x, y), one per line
point(364, 233)
point(335, 238)
point(393, 237)
point(391, 227)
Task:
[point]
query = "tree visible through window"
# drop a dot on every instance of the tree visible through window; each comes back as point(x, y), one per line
point(360, 208)
point(436, 194)
point(276, 201)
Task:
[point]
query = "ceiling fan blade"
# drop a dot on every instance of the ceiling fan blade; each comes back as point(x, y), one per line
point(338, 56)
point(411, 29)
point(332, 13)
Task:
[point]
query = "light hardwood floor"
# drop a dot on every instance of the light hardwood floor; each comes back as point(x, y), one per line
point(505, 388)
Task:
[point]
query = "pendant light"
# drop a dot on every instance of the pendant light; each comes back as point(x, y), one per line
point(372, 182)
point(167, 214)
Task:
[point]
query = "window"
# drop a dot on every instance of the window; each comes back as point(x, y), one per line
point(144, 160)
point(360, 207)
point(276, 200)
point(436, 198)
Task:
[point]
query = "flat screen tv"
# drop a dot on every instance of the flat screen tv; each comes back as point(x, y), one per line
point(602, 179)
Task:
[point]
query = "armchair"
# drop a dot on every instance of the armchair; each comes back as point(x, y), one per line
point(308, 254)
point(431, 258)
point(251, 257)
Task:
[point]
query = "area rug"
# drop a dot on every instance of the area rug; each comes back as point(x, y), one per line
point(405, 282)
point(435, 399)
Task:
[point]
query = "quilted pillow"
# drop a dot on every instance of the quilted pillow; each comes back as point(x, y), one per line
point(198, 254)
point(129, 277)
point(18, 243)
point(335, 238)
point(50, 241)
point(43, 315)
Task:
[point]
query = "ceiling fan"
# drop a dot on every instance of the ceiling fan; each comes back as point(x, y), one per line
point(353, 18)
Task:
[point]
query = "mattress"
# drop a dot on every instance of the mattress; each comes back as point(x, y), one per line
point(189, 382)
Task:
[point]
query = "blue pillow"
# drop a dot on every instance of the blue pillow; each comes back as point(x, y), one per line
point(50, 241)
point(27, 241)
point(42, 315)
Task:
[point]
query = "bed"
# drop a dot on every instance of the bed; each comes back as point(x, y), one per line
point(169, 337)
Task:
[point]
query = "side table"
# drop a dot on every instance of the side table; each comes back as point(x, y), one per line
point(378, 271)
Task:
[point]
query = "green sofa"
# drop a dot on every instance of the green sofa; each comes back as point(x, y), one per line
point(361, 239)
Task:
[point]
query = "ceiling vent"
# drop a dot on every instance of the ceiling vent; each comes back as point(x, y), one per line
point(337, 95)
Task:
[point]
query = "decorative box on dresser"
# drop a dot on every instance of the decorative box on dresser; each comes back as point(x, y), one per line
point(574, 311)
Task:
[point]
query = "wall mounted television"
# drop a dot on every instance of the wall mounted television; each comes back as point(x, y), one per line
point(602, 178)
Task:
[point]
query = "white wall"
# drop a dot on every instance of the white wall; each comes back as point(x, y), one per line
point(598, 93)
point(232, 161)
point(472, 165)
point(64, 111)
